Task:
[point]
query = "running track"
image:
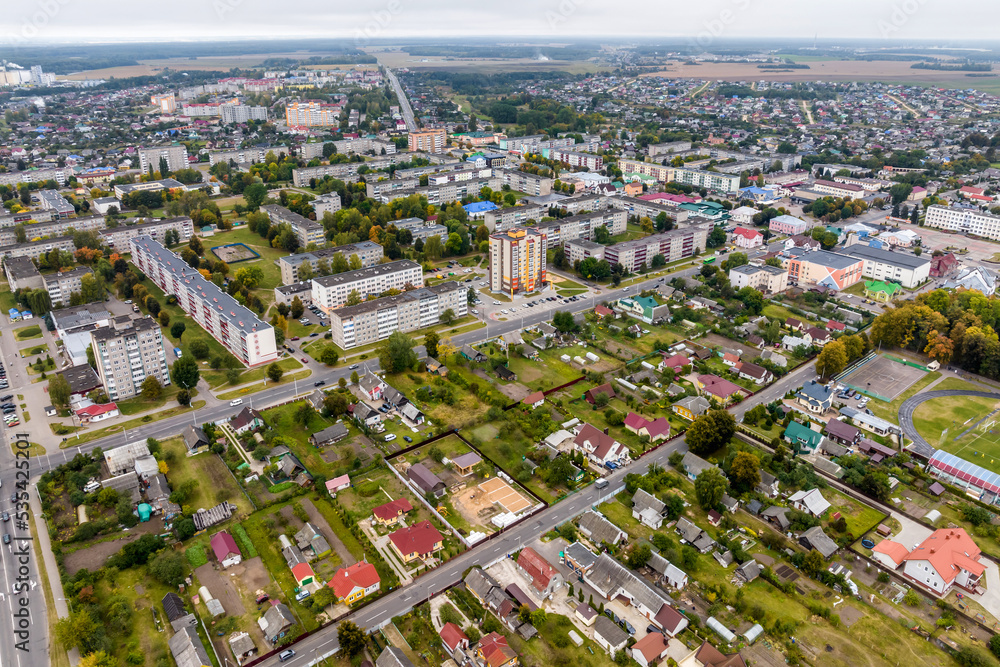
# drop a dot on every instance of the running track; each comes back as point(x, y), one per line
point(909, 405)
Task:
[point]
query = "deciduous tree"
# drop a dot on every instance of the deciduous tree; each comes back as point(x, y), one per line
point(709, 487)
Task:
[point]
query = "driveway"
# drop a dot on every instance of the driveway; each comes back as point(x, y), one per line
point(990, 599)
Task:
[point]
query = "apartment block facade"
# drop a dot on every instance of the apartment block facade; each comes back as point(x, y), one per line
point(966, 221)
point(234, 326)
point(819, 267)
point(306, 231)
point(522, 181)
point(368, 253)
point(176, 157)
point(330, 292)
point(766, 279)
point(517, 260)
point(710, 180)
point(897, 267)
point(119, 238)
point(505, 218)
point(328, 203)
point(48, 229)
point(61, 285)
point(673, 245)
point(428, 140)
point(447, 193)
point(372, 321)
point(241, 113)
point(127, 352)
point(312, 114)
point(583, 226)
point(577, 159)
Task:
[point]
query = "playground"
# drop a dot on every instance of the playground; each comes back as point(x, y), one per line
point(234, 252)
point(883, 378)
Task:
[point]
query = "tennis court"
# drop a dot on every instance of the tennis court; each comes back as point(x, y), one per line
point(500, 492)
point(883, 378)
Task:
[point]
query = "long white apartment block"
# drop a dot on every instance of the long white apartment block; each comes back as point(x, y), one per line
point(236, 327)
point(967, 221)
point(330, 292)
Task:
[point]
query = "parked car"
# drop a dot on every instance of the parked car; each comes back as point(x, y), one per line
point(235, 402)
point(390, 437)
point(286, 654)
point(353, 367)
point(301, 595)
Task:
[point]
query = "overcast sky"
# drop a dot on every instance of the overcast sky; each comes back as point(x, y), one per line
point(155, 20)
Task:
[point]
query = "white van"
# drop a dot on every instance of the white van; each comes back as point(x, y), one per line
point(390, 437)
point(236, 401)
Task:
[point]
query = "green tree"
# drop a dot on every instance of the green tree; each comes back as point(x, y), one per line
point(716, 238)
point(304, 413)
point(752, 299)
point(199, 348)
point(745, 471)
point(329, 355)
point(812, 563)
point(639, 556)
point(297, 309)
point(396, 354)
point(151, 388)
point(832, 360)
point(351, 638)
point(59, 391)
point(709, 487)
point(168, 567)
point(448, 316)
point(710, 432)
point(255, 194)
point(354, 377)
point(564, 322)
point(431, 344)
point(185, 372)
point(251, 276)
point(274, 372)
point(177, 329)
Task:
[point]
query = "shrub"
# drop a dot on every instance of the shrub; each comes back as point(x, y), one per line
point(366, 489)
point(196, 555)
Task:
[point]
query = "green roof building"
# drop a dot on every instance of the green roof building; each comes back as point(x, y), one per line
point(804, 439)
point(884, 292)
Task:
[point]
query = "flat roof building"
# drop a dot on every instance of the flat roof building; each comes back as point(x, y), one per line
point(128, 352)
point(306, 231)
point(899, 267)
point(518, 260)
point(330, 292)
point(235, 326)
point(368, 253)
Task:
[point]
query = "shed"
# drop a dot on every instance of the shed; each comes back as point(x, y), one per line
point(932, 516)
point(720, 629)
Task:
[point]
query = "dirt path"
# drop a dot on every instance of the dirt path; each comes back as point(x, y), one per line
point(807, 111)
point(317, 519)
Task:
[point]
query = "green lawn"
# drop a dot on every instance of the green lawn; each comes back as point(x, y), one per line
point(860, 518)
point(776, 311)
point(7, 301)
point(81, 438)
point(253, 388)
point(216, 379)
point(956, 414)
point(282, 420)
point(131, 406)
point(214, 482)
point(28, 332)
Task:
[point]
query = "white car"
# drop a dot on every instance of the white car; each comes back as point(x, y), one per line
point(390, 437)
point(503, 312)
point(236, 401)
point(496, 303)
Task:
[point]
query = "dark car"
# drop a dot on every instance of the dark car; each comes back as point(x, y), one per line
point(407, 438)
point(313, 335)
point(7, 397)
point(13, 497)
point(653, 628)
point(5, 516)
point(6, 538)
point(319, 384)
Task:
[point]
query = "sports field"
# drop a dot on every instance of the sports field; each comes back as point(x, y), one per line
point(966, 426)
point(883, 378)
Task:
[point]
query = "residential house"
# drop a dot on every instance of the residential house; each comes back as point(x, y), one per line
point(355, 582)
point(707, 655)
point(648, 509)
point(311, 542)
point(367, 415)
point(692, 407)
point(177, 615)
point(791, 343)
point(609, 636)
point(598, 529)
point(693, 465)
point(187, 648)
point(493, 651)
point(225, 549)
point(392, 656)
point(650, 649)
point(815, 538)
point(579, 558)
point(718, 388)
point(842, 432)
point(586, 614)
point(695, 536)
point(194, 439)
point(667, 573)
point(426, 481)
point(749, 571)
point(393, 397)
point(419, 541)
point(947, 559)
point(756, 374)
point(329, 435)
point(804, 439)
point(303, 574)
point(778, 516)
point(338, 484)
point(372, 385)
point(534, 400)
point(768, 484)
point(392, 512)
point(654, 430)
point(543, 577)
point(453, 638)
point(435, 367)
point(811, 501)
point(815, 397)
point(744, 237)
point(599, 447)
point(819, 337)
point(473, 354)
point(675, 362)
point(276, 622)
point(247, 420)
point(412, 414)
point(242, 646)
point(605, 389)
point(465, 463)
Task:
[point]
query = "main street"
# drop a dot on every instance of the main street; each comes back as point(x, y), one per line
point(404, 103)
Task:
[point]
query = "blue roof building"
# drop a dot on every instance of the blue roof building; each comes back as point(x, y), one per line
point(478, 210)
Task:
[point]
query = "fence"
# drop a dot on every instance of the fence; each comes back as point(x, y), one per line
point(548, 392)
point(907, 363)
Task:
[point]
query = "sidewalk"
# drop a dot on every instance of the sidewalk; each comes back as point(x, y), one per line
point(51, 568)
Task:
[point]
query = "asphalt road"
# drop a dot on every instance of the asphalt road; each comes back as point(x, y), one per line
point(404, 103)
point(21, 548)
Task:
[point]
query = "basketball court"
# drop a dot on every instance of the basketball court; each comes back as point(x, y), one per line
point(502, 493)
point(883, 378)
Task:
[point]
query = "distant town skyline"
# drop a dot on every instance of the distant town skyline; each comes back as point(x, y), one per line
point(703, 23)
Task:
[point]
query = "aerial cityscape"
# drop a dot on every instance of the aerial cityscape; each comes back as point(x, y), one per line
point(556, 336)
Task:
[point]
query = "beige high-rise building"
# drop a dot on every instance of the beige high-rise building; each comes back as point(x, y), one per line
point(167, 102)
point(517, 260)
point(128, 352)
point(428, 141)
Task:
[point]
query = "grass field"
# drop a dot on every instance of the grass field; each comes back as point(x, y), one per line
point(214, 482)
point(28, 332)
point(216, 379)
point(253, 388)
point(957, 414)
